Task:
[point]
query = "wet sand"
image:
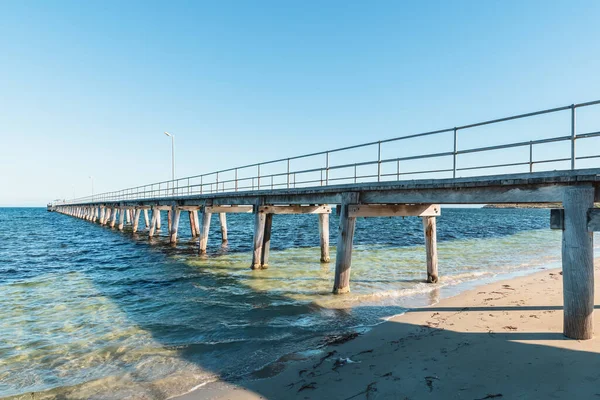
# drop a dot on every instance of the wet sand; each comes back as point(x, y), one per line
point(502, 340)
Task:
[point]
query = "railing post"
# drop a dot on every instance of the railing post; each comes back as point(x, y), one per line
point(530, 156)
point(236, 181)
point(573, 136)
point(354, 173)
point(379, 161)
point(454, 156)
point(258, 180)
point(398, 170)
point(217, 182)
point(288, 173)
point(201, 183)
point(327, 169)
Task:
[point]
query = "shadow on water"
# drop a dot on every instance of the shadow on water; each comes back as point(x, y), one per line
point(213, 313)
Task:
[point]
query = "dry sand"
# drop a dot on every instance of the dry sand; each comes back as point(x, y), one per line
point(500, 341)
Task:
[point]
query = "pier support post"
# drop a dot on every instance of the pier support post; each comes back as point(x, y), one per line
point(175, 212)
point(122, 212)
point(102, 213)
point(196, 222)
point(128, 215)
point(259, 232)
point(343, 260)
point(204, 229)
point(155, 214)
point(113, 219)
point(578, 263)
point(264, 264)
point(107, 215)
point(158, 219)
point(169, 219)
point(223, 222)
point(324, 237)
point(146, 222)
point(136, 219)
point(429, 227)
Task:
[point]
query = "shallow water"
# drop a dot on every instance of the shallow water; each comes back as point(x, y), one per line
point(90, 312)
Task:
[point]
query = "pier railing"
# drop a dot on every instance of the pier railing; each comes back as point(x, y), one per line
point(320, 169)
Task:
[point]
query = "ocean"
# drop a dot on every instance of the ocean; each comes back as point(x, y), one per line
point(90, 312)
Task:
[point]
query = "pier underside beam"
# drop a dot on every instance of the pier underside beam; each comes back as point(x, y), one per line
point(343, 259)
point(228, 209)
point(295, 209)
point(394, 210)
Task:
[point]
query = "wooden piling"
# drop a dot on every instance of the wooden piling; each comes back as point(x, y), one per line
point(578, 263)
point(324, 237)
point(259, 232)
point(158, 214)
point(343, 260)
point(102, 213)
point(113, 219)
point(169, 219)
point(155, 214)
point(175, 212)
point(266, 247)
point(196, 222)
point(223, 223)
point(429, 228)
point(136, 219)
point(128, 215)
point(204, 229)
point(121, 218)
point(146, 222)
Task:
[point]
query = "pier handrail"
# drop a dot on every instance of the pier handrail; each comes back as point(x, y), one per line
point(285, 177)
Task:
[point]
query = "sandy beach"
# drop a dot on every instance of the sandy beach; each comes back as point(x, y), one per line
point(502, 340)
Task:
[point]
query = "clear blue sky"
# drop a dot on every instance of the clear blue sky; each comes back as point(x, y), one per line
point(87, 88)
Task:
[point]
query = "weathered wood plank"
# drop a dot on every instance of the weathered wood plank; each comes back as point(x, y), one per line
point(594, 220)
point(578, 263)
point(393, 210)
point(324, 237)
point(429, 227)
point(343, 259)
point(296, 209)
point(228, 209)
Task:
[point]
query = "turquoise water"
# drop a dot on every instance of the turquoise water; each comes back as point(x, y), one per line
point(90, 312)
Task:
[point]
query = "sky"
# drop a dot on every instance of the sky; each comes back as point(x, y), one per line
point(88, 88)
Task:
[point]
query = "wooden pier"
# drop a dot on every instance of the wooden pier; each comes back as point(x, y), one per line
point(382, 191)
point(576, 190)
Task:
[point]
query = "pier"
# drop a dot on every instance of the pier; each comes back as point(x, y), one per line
point(379, 187)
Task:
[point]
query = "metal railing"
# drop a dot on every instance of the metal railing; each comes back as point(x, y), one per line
point(325, 173)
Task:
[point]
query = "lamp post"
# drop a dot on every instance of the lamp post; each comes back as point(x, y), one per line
point(172, 158)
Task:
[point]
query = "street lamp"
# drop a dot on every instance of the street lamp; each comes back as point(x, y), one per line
point(172, 154)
